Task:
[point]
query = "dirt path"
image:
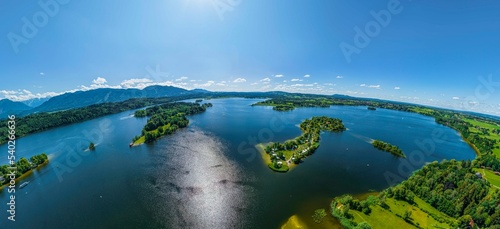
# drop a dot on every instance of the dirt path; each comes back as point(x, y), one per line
point(484, 175)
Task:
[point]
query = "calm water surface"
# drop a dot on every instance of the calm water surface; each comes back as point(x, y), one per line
point(210, 175)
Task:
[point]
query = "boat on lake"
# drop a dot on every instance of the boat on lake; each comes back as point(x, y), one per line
point(23, 184)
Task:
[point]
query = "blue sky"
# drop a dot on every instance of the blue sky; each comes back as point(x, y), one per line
point(440, 53)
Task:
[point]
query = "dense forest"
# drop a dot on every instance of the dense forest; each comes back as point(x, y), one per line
point(384, 146)
point(23, 166)
point(453, 188)
point(166, 119)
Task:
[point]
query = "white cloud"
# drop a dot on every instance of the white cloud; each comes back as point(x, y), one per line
point(181, 79)
point(263, 88)
point(240, 80)
point(221, 83)
point(307, 76)
point(397, 88)
point(302, 85)
point(207, 84)
point(329, 84)
point(456, 98)
point(24, 94)
point(295, 80)
point(370, 86)
point(265, 80)
point(136, 83)
point(99, 81)
point(285, 81)
point(278, 76)
point(42, 74)
point(340, 77)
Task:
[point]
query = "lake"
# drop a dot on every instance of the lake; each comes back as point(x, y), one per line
point(210, 175)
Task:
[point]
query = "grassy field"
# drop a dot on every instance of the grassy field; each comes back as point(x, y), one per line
point(490, 135)
point(490, 176)
point(142, 139)
point(421, 110)
point(422, 215)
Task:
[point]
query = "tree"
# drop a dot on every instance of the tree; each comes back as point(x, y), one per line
point(407, 215)
point(363, 225)
point(319, 215)
point(91, 146)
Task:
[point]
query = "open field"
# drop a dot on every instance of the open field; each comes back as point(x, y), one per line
point(490, 135)
point(422, 215)
point(490, 176)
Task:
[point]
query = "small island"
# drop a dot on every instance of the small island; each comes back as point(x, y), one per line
point(281, 156)
point(198, 100)
point(166, 119)
point(91, 146)
point(384, 146)
point(22, 167)
point(284, 107)
point(372, 108)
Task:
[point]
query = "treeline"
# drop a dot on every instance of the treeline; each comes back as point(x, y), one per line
point(384, 146)
point(167, 118)
point(341, 206)
point(23, 166)
point(455, 121)
point(453, 188)
point(44, 121)
point(487, 161)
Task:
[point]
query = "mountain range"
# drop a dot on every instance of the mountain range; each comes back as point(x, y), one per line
point(87, 98)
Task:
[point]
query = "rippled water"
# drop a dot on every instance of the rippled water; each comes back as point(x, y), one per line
point(210, 175)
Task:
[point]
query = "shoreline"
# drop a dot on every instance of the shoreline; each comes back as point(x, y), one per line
point(267, 159)
point(24, 175)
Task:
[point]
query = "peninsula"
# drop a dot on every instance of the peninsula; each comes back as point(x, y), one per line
point(283, 155)
point(21, 167)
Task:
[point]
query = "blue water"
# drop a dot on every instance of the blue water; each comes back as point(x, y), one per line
point(210, 175)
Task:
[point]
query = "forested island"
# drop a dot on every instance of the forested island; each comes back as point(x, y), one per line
point(166, 119)
point(282, 155)
point(384, 146)
point(22, 167)
point(91, 146)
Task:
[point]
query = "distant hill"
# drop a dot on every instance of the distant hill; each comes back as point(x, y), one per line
point(8, 107)
point(340, 96)
point(35, 102)
point(105, 95)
